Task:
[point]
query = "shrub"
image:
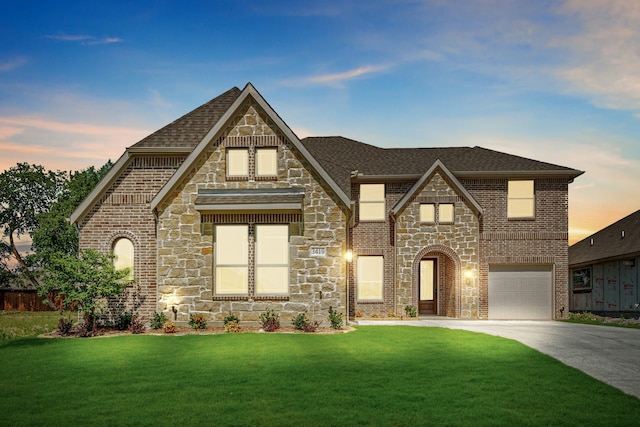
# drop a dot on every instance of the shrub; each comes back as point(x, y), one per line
point(270, 321)
point(335, 318)
point(124, 321)
point(358, 313)
point(232, 326)
point(310, 326)
point(136, 326)
point(158, 320)
point(197, 321)
point(169, 327)
point(299, 321)
point(65, 326)
point(411, 311)
point(230, 318)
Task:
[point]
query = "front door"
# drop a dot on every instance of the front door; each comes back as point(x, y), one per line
point(428, 291)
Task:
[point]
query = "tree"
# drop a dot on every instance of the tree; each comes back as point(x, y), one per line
point(26, 191)
point(85, 279)
point(54, 233)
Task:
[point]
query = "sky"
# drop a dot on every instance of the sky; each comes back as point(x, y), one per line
point(556, 81)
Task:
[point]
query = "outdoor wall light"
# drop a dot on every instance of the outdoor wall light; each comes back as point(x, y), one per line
point(348, 255)
point(468, 274)
point(175, 312)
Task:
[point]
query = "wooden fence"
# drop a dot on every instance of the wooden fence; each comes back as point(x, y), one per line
point(24, 300)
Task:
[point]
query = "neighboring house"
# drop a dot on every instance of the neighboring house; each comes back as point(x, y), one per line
point(604, 269)
point(226, 210)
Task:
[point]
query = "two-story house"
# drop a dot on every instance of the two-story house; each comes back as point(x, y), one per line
point(227, 210)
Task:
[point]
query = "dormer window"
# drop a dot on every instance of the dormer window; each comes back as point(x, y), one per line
point(520, 199)
point(266, 162)
point(372, 202)
point(238, 162)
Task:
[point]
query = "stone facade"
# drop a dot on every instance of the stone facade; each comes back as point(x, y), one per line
point(185, 241)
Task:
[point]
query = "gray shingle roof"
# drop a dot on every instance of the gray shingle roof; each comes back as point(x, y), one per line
point(609, 243)
point(187, 131)
point(339, 156)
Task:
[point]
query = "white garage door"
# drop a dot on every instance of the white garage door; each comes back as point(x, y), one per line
point(520, 292)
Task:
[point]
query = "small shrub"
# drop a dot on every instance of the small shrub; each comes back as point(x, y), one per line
point(197, 321)
point(391, 314)
point(299, 321)
point(65, 326)
point(358, 313)
point(231, 318)
point(270, 321)
point(411, 311)
point(232, 326)
point(169, 327)
point(375, 315)
point(310, 326)
point(137, 325)
point(158, 320)
point(124, 321)
point(335, 318)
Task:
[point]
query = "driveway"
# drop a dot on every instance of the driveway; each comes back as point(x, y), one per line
point(610, 354)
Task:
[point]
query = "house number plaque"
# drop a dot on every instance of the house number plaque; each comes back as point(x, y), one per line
point(317, 251)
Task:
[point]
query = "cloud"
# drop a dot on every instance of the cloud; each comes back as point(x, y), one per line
point(335, 79)
point(86, 40)
point(603, 60)
point(12, 64)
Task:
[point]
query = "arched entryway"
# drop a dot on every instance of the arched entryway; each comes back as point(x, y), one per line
point(436, 281)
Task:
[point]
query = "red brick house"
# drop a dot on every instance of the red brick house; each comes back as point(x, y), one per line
point(227, 210)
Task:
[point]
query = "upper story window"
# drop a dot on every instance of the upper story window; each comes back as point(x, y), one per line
point(521, 199)
point(446, 213)
point(372, 202)
point(266, 161)
point(238, 162)
point(123, 256)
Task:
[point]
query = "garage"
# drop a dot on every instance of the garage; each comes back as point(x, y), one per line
point(520, 292)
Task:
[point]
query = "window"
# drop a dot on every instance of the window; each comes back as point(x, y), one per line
point(266, 162)
point(123, 256)
point(581, 279)
point(238, 162)
point(232, 260)
point(445, 212)
point(272, 259)
point(427, 212)
point(520, 199)
point(370, 277)
point(237, 256)
point(372, 202)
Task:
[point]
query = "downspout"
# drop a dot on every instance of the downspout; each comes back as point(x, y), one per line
point(348, 263)
point(395, 262)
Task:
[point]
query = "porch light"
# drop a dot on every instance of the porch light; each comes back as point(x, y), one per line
point(348, 255)
point(469, 275)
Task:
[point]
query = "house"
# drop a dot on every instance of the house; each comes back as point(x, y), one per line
point(227, 210)
point(604, 271)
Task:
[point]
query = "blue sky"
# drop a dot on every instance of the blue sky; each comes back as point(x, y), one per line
point(552, 80)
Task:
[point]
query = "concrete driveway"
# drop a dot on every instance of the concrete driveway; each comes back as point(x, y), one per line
point(610, 354)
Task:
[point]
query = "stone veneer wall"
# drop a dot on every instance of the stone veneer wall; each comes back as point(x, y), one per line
point(543, 240)
point(185, 252)
point(123, 211)
point(455, 245)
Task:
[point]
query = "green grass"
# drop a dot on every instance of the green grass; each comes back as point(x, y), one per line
point(587, 318)
point(18, 324)
point(377, 375)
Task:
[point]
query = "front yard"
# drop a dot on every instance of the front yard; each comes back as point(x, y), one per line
point(391, 376)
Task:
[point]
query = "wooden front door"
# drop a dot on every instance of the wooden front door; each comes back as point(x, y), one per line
point(428, 303)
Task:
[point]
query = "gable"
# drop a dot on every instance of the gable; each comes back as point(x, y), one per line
point(440, 182)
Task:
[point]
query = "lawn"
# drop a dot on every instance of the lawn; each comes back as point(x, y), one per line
point(17, 324)
point(377, 375)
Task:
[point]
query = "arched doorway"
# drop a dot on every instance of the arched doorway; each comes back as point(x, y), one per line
point(436, 281)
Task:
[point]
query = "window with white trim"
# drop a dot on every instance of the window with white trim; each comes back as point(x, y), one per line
point(123, 253)
point(521, 199)
point(232, 260)
point(370, 271)
point(266, 161)
point(238, 162)
point(427, 212)
point(446, 213)
point(372, 204)
point(261, 249)
point(272, 259)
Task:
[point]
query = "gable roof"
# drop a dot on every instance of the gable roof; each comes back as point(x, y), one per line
point(609, 242)
point(340, 156)
point(179, 136)
point(248, 91)
point(415, 189)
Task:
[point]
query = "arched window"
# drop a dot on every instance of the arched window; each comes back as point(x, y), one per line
point(123, 255)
